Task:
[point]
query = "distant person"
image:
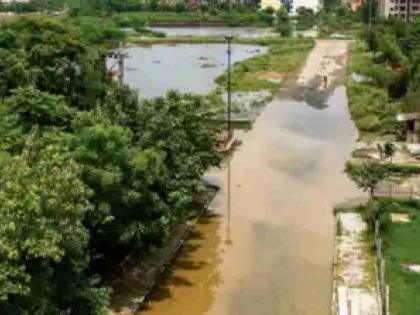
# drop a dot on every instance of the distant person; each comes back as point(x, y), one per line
point(325, 81)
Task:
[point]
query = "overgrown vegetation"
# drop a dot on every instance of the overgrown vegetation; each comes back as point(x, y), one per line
point(266, 71)
point(400, 247)
point(88, 173)
point(383, 76)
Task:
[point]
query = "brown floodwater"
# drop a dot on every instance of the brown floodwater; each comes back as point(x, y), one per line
point(272, 252)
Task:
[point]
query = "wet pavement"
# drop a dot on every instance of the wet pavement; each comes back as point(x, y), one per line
point(271, 252)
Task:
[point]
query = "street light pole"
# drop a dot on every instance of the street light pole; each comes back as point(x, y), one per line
point(229, 127)
point(229, 52)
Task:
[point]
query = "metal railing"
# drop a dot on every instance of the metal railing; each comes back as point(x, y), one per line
point(383, 288)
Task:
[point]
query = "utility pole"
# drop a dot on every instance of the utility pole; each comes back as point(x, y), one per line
point(230, 136)
point(119, 55)
point(121, 67)
point(229, 52)
point(408, 11)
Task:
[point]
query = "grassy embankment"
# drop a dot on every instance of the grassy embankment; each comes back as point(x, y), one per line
point(402, 241)
point(219, 18)
point(268, 70)
point(372, 110)
point(400, 247)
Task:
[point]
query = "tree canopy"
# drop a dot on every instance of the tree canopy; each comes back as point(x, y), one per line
point(89, 172)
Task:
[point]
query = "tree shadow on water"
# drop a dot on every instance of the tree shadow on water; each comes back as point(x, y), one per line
point(189, 267)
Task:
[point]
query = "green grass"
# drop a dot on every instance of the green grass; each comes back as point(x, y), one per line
point(372, 110)
point(282, 57)
point(133, 19)
point(402, 241)
point(400, 246)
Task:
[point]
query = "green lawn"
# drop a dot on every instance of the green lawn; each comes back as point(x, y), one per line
point(403, 246)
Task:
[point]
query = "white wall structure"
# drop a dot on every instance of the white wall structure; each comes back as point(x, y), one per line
point(9, 1)
point(275, 4)
point(315, 5)
point(399, 8)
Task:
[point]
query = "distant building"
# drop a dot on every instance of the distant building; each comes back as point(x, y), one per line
point(10, 1)
point(410, 124)
point(275, 4)
point(402, 9)
point(315, 5)
point(355, 4)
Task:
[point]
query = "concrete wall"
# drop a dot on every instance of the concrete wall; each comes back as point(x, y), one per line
point(275, 4)
point(311, 4)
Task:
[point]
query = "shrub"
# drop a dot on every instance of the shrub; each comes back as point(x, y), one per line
point(368, 123)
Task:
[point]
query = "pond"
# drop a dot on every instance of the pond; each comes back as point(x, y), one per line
point(188, 67)
point(249, 32)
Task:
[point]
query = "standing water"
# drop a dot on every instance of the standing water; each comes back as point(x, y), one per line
point(188, 68)
point(271, 252)
point(247, 32)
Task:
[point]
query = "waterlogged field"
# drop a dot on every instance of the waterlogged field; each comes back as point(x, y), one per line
point(155, 69)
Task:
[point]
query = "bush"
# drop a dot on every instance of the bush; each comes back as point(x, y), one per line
point(368, 123)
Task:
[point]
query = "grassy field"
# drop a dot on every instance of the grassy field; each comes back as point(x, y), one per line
point(372, 110)
point(401, 247)
point(267, 71)
point(133, 19)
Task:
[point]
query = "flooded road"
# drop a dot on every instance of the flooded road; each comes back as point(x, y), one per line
point(271, 252)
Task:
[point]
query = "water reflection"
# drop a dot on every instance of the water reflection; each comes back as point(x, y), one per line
point(156, 69)
point(285, 179)
point(194, 270)
point(248, 32)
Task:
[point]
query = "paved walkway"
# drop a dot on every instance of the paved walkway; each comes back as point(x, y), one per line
point(356, 292)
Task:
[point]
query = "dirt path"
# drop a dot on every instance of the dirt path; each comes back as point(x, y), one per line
point(355, 277)
point(274, 248)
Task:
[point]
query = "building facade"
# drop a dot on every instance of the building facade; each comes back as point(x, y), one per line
point(315, 5)
point(402, 9)
point(275, 4)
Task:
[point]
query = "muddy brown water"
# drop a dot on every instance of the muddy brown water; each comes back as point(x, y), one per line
point(274, 256)
point(271, 253)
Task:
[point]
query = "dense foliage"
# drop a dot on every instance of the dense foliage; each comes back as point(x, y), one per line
point(89, 173)
point(388, 61)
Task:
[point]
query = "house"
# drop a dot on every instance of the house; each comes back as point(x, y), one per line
point(315, 5)
point(275, 4)
point(403, 9)
point(410, 123)
point(355, 4)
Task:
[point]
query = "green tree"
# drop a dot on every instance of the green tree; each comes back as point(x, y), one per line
point(43, 203)
point(283, 23)
point(27, 108)
point(367, 175)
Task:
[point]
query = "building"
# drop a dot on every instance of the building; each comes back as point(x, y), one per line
point(275, 4)
point(13, 1)
point(315, 5)
point(355, 4)
point(410, 126)
point(403, 9)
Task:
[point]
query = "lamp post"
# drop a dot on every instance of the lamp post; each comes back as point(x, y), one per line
point(229, 53)
point(229, 127)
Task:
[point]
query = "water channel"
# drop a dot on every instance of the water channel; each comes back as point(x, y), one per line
point(270, 253)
